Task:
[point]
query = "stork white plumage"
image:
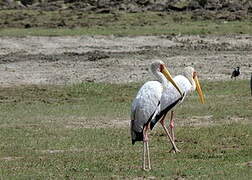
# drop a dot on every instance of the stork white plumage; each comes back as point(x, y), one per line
point(146, 106)
point(188, 82)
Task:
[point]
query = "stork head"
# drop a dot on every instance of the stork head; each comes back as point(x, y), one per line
point(159, 66)
point(191, 74)
point(156, 66)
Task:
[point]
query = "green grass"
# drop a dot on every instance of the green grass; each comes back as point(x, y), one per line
point(224, 99)
point(213, 153)
point(192, 28)
point(43, 134)
point(146, 23)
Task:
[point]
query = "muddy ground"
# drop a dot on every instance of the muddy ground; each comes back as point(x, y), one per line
point(66, 60)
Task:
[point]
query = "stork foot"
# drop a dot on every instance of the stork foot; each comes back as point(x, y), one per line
point(174, 150)
point(146, 169)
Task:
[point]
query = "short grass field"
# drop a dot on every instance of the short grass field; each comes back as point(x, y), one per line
point(46, 23)
point(74, 132)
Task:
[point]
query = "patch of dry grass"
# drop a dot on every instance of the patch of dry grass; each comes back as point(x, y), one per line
point(62, 23)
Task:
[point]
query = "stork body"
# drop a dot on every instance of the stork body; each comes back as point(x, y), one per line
point(146, 106)
point(170, 97)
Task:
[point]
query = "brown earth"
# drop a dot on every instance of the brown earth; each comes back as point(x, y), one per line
point(102, 6)
point(65, 60)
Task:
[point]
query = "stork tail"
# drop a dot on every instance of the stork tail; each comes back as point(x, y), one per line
point(138, 136)
point(135, 135)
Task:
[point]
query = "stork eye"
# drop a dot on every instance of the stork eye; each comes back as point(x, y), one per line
point(194, 74)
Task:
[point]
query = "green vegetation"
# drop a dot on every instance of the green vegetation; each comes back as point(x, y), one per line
point(54, 23)
point(57, 132)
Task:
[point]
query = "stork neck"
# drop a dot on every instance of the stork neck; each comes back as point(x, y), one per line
point(193, 84)
point(161, 78)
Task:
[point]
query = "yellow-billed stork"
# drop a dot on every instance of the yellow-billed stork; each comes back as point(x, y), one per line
point(188, 82)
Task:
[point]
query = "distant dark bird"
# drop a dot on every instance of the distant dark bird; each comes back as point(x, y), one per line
point(236, 72)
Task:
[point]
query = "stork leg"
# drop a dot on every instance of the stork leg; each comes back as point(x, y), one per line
point(172, 130)
point(172, 126)
point(148, 155)
point(146, 149)
point(174, 148)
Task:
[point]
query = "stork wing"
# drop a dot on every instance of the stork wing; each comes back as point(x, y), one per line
point(144, 107)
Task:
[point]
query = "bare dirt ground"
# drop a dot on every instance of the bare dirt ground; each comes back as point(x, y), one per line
point(110, 59)
point(65, 60)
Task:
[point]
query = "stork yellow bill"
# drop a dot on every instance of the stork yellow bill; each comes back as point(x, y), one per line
point(198, 88)
point(168, 76)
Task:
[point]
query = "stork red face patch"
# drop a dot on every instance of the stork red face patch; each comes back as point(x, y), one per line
point(161, 67)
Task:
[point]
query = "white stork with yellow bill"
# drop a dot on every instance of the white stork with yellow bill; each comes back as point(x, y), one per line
point(188, 82)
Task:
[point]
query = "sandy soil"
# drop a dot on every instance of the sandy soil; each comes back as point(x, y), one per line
point(64, 60)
